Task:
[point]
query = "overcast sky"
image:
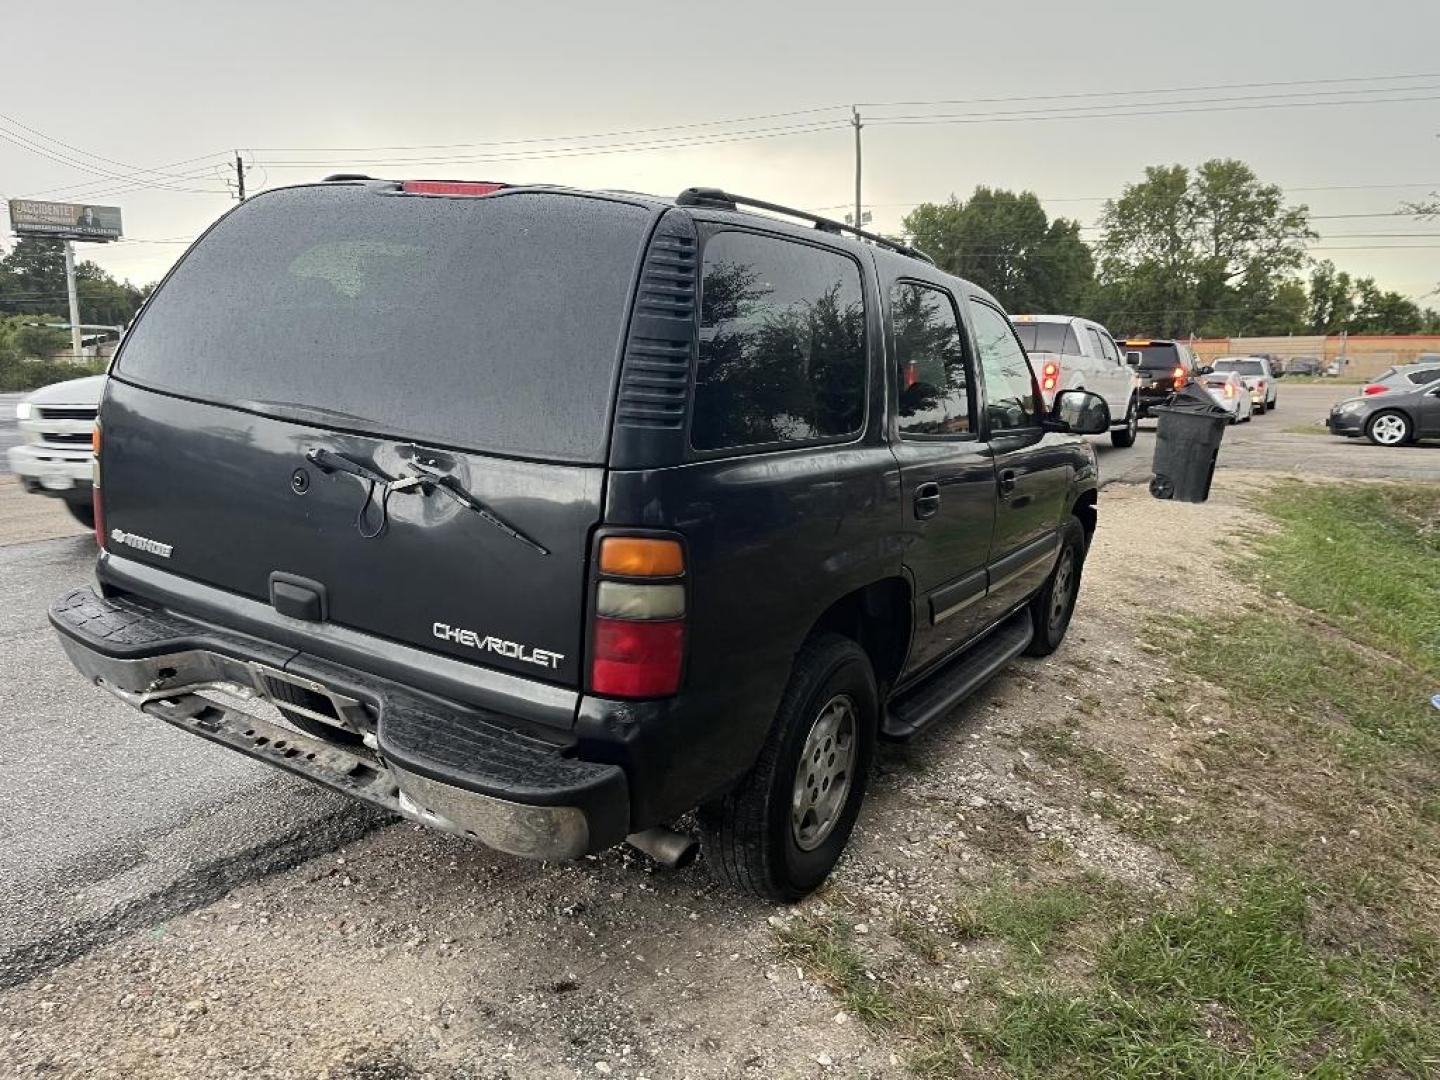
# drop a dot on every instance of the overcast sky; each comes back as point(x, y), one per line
point(147, 83)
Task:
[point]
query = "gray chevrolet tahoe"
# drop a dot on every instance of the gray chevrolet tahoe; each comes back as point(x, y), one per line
point(546, 516)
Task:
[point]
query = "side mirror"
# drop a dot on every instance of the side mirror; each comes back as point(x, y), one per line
point(1079, 412)
point(1133, 358)
point(1205, 369)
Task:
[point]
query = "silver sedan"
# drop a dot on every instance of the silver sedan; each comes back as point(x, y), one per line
point(1230, 393)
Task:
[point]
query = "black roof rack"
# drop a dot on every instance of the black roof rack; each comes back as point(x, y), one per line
point(333, 177)
point(716, 197)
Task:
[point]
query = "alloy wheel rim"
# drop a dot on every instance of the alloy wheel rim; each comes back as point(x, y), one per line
point(1061, 592)
point(1389, 430)
point(824, 773)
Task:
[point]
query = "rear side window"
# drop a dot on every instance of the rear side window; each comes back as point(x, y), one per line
point(492, 324)
point(782, 344)
point(1429, 375)
point(935, 394)
point(1048, 337)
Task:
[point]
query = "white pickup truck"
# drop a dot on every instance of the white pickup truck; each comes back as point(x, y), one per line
point(57, 423)
point(1071, 353)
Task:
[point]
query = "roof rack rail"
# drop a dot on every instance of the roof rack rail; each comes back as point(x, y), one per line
point(333, 177)
point(716, 197)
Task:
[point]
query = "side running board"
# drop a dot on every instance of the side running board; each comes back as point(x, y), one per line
point(957, 680)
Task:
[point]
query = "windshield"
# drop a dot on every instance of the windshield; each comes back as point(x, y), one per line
point(1047, 337)
point(1241, 367)
point(492, 324)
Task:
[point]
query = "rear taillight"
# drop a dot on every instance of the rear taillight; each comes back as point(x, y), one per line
point(1374, 388)
point(1049, 376)
point(1229, 390)
point(96, 506)
point(1179, 376)
point(637, 642)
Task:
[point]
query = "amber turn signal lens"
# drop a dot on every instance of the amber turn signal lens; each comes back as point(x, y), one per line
point(95, 439)
point(639, 556)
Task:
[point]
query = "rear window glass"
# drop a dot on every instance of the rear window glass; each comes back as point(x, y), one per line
point(1156, 357)
point(1048, 337)
point(782, 344)
point(1241, 367)
point(491, 324)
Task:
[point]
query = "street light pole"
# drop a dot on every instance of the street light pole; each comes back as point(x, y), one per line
point(75, 346)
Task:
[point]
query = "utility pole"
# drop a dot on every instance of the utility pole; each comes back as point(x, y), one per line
point(855, 122)
point(239, 176)
point(75, 344)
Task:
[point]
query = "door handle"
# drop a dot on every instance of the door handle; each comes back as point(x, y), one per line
point(927, 500)
point(1007, 482)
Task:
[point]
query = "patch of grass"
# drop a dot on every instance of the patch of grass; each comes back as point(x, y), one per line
point(1034, 920)
point(1231, 983)
point(1359, 700)
point(1057, 743)
point(1365, 557)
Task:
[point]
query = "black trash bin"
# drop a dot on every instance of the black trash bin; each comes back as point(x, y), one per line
point(1187, 442)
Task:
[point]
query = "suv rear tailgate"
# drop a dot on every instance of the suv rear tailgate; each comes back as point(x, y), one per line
point(474, 338)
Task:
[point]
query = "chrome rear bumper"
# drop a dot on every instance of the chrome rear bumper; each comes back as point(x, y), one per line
point(123, 647)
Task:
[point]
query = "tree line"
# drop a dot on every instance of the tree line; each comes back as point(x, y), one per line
point(1211, 252)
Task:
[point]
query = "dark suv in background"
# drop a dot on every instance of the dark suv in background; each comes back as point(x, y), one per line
point(546, 516)
point(1163, 368)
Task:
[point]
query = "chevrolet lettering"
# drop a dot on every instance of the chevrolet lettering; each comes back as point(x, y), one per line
point(490, 643)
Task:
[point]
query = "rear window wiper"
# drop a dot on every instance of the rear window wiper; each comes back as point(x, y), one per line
point(448, 484)
point(423, 481)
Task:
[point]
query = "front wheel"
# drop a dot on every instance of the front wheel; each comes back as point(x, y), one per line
point(1388, 429)
point(1123, 437)
point(1054, 604)
point(780, 831)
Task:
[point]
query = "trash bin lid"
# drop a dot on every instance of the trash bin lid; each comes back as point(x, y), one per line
point(1193, 399)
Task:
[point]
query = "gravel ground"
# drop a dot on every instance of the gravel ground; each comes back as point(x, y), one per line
point(410, 954)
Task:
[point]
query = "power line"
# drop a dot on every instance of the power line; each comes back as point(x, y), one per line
point(1033, 116)
point(45, 152)
point(679, 143)
point(554, 138)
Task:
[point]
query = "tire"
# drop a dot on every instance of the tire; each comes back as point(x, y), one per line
point(1054, 604)
point(1123, 437)
point(1271, 406)
point(83, 512)
point(750, 838)
point(1389, 428)
point(328, 732)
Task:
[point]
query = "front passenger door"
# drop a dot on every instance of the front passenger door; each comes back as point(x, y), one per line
point(1032, 470)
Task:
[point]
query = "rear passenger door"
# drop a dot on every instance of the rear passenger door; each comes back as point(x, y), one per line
point(1032, 471)
point(947, 475)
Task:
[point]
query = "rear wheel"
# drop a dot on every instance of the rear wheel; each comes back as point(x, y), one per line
point(780, 831)
point(1388, 428)
point(1125, 436)
point(83, 512)
point(1053, 606)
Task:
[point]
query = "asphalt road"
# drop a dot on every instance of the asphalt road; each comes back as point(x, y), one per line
point(110, 821)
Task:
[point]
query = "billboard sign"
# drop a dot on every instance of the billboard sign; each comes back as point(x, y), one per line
point(64, 221)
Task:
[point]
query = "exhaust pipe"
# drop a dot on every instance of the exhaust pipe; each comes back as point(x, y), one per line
point(666, 846)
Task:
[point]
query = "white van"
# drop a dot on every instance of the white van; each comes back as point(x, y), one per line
point(1071, 353)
